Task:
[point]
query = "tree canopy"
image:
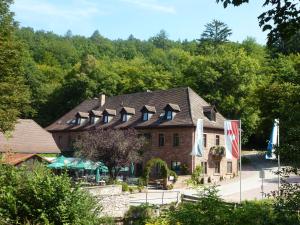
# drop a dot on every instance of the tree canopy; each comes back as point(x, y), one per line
point(281, 20)
point(55, 73)
point(14, 94)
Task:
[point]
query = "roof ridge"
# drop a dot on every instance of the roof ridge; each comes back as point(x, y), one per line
point(154, 91)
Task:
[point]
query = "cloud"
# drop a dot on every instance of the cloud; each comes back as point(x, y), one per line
point(152, 5)
point(77, 10)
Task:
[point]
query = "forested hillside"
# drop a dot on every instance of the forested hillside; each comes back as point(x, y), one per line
point(62, 71)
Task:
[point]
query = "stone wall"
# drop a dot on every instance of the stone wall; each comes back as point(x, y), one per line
point(114, 203)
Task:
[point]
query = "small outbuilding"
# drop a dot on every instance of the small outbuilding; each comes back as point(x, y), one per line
point(25, 142)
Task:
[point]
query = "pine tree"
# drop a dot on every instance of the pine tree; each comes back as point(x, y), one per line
point(216, 32)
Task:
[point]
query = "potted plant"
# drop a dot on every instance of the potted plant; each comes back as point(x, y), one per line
point(217, 151)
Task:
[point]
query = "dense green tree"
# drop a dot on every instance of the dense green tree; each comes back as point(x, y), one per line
point(14, 94)
point(161, 40)
point(228, 78)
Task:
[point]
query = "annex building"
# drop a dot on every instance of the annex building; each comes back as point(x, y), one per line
point(167, 118)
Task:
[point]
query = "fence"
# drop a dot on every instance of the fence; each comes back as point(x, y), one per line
point(155, 197)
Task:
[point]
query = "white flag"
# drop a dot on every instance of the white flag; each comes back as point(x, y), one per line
point(273, 141)
point(198, 148)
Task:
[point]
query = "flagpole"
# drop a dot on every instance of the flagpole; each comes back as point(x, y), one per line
point(278, 157)
point(240, 151)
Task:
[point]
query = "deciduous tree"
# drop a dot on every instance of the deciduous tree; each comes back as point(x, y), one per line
point(14, 94)
point(115, 148)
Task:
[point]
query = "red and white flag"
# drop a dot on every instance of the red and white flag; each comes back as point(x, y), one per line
point(232, 138)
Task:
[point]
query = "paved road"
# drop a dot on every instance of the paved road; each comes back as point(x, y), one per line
point(229, 190)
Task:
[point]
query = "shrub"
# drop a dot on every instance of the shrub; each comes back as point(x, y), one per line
point(245, 160)
point(138, 215)
point(174, 174)
point(184, 169)
point(125, 186)
point(170, 187)
point(197, 176)
point(141, 182)
point(40, 197)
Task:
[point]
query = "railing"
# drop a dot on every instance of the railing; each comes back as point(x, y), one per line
point(156, 197)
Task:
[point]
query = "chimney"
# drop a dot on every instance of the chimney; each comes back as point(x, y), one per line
point(102, 99)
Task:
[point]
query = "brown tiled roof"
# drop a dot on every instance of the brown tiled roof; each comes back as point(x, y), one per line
point(28, 137)
point(174, 107)
point(128, 110)
point(83, 114)
point(111, 112)
point(189, 103)
point(96, 113)
point(149, 108)
point(15, 158)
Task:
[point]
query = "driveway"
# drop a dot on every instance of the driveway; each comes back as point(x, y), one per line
point(228, 190)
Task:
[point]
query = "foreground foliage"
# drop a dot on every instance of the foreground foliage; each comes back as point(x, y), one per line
point(210, 209)
point(40, 197)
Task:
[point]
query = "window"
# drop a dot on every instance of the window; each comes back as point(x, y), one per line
point(92, 120)
point(169, 115)
point(78, 120)
point(59, 140)
point(217, 167)
point(105, 119)
point(145, 116)
point(229, 167)
point(204, 167)
point(210, 113)
point(161, 140)
point(70, 140)
point(124, 117)
point(217, 139)
point(204, 140)
point(148, 137)
point(175, 166)
point(175, 140)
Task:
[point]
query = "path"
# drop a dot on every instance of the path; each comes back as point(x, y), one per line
point(230, 190)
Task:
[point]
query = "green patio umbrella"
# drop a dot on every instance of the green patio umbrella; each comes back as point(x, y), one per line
point(97, 175)
point(59, 163)
point(82, 165)
point(102, 168)
point(131, 169)
point(56, 165)
point(124, 169)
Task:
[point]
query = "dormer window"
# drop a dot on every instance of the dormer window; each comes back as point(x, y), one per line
point(171, 110)
point(145, 116)
point(95, 116)
point(125, 117)
point(210, 112)
point(108, 115)
point(126, 113)
point(169, 115)
point(147, 112)
point(81, 117)
point(107, 118)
